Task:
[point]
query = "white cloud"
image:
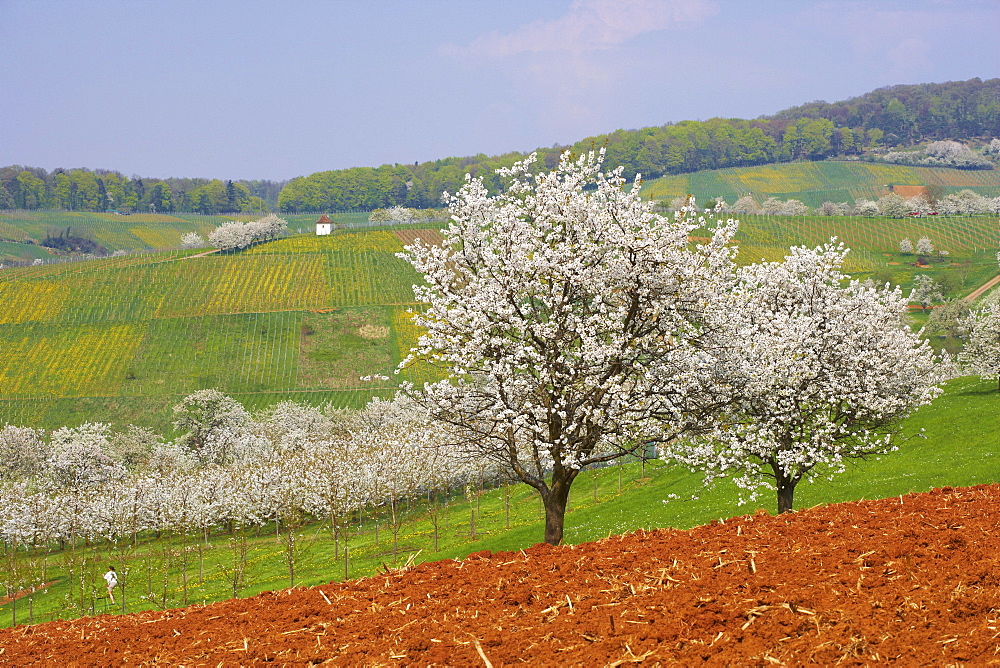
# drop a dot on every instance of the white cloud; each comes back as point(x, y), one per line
point(589, 25)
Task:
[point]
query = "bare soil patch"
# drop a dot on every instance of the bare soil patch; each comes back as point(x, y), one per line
point(906, 192)
point(427, 236)
point(912, 580)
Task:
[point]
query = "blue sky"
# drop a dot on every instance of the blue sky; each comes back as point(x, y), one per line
point(255, 89)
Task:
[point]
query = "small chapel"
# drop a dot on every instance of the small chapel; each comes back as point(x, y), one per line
point(324, 225)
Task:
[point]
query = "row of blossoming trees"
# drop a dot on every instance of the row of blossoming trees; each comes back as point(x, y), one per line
point(236, 235)
point(574, 325)
point(963, 203)
point(290, 463)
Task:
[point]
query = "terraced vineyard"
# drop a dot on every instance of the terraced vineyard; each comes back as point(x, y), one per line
point(122, 339)
point(874, 242)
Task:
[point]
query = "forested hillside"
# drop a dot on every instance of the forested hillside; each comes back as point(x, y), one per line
point(859, 128)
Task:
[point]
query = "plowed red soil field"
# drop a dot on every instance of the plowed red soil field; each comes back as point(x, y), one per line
point(911, 580)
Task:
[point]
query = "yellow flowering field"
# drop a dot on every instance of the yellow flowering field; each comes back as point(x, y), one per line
point(301, 243)
point(158, 237)
point(31, 301)
point(364, 240)
point(406, 334)
point(88, 360)
point(271, 283)
point(246, 283)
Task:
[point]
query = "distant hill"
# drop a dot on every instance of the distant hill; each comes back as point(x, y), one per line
point(885, 118)
point(913, 113)
point(963, 110)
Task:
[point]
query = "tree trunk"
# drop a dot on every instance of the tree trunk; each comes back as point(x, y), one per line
point(786, 491)
point(555, 500)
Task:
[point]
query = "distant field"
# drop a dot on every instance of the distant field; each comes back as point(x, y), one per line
point(123, 339)
point(816, 182)
point(133, 232)
point(874, 242)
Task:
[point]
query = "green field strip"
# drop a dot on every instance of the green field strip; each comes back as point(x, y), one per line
point(713, 182)
point(232, 353)
point(816, 182)
point(339, 347)
point(362, 277)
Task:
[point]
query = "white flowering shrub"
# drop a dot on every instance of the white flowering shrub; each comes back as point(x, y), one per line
point(23, 452)
point(965, 203)
point(892, 205)
point(291, 427)
point(865, 207)
point(218, 429)
point(925, 291)
point(771, 206)
point(944, 153)
point(78, 456)
point(745, 204)
point(794, 207)
point(230, 236)
point(924, 246)
point(236, 235)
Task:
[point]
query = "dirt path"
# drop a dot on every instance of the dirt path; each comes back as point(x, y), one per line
point(978, 292)
point(911, 580)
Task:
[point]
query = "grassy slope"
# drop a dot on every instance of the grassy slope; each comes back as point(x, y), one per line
point(122, 339)
point(959, 448)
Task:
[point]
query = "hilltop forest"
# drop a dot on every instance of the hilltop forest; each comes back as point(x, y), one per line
point(858, 128)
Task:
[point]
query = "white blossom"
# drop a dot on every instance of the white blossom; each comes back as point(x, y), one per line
point(925, 291)
point(568, 317)
point(981, 353)
point(192, 240)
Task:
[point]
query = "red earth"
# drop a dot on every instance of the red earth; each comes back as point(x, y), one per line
point(911, 580)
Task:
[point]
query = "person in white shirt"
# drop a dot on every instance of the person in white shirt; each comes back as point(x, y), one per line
point(112, 579)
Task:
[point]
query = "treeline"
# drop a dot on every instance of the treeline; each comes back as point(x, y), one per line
point(103, 190)
point(908, 114)
point(857, 128)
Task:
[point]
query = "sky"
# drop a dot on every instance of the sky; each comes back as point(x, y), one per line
point(268, 89)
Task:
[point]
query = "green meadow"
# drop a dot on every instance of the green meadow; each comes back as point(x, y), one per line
point(132, 232)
